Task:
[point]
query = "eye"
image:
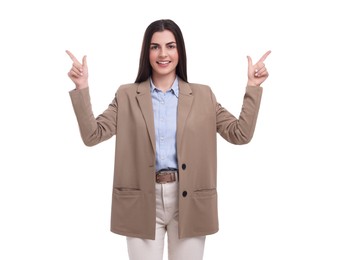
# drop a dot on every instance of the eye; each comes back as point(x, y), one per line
point(172, 46)
point(154, 47)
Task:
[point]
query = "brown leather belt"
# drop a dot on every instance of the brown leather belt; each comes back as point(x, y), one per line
point(166, 176)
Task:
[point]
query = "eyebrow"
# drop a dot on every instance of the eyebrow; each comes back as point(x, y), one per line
point(152, 43)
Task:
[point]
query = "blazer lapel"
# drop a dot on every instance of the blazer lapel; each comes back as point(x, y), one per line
point(184, 107)
point(144, 99)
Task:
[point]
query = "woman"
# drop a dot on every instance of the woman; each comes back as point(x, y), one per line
point(165, 156)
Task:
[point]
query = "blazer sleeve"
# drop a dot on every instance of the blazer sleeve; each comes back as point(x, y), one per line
point(240, 130)
point(93, 130)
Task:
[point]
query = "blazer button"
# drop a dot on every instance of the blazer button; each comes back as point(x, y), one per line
point(183, 166)
point(184, 194)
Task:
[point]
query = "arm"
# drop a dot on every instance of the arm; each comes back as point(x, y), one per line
point(93, 130)
point(240, 131)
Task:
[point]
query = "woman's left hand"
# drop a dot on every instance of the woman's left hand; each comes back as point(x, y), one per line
point(257, 73)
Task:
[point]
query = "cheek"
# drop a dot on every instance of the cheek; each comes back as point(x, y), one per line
point(151, 56)
point(176, 58)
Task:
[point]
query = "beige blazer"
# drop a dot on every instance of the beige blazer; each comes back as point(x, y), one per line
point(130, 118)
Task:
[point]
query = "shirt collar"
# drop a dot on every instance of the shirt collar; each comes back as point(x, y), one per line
point(174, 89)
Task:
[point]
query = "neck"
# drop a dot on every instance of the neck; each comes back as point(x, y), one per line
point(163, 83)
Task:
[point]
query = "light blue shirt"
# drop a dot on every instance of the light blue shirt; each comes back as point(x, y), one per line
point(165, 106)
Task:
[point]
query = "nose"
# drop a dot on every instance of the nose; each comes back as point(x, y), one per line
point(163, 52)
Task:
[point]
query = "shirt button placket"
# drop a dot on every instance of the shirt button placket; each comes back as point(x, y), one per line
point(162, 126)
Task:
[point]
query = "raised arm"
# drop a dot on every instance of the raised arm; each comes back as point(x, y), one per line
point(240, 130)
point(93, 130)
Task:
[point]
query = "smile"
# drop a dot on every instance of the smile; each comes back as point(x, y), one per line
point(163, 62)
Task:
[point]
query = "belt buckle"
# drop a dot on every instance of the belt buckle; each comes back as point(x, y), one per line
point(164, 177)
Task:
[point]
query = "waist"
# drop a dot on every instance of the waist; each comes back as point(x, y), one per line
point(166, 176)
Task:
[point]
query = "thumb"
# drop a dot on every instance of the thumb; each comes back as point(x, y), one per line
point(249, 61)
point(84, 61)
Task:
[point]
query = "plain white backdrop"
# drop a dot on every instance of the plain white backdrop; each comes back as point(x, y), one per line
point(279, 196)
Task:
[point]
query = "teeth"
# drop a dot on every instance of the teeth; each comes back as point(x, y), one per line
point(163, 62)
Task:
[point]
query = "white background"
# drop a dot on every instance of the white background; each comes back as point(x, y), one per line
point(279, 196)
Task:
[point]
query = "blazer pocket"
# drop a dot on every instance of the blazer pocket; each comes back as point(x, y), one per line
point(127, 204)
point(126, 192)
point(203, 211)
point(205, 193)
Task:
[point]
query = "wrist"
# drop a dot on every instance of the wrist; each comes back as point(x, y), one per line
point(82, 86)
point(252, 84)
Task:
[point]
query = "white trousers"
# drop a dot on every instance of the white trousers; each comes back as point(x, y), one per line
point(167, 219)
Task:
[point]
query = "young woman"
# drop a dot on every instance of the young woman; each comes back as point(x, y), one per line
point(165, 156)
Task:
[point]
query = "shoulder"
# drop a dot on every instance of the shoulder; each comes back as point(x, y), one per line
point(198, 85)
point(127, 87)
point(135, 88)
point(199, 91)
point(200, 88)
point(127, 90)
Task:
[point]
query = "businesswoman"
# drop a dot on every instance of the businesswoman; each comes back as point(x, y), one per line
point(166, 152)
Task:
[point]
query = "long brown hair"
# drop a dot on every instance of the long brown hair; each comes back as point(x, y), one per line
point(145, 69)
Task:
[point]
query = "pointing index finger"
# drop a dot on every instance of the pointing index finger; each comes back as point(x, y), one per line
point(73, 58)
point(264, 56)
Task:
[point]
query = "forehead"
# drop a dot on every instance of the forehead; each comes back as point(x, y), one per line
point(163, 37)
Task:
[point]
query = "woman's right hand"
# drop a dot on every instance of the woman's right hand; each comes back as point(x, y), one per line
point(79, 72)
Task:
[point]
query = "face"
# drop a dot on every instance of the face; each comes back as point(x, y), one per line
point(163, 54)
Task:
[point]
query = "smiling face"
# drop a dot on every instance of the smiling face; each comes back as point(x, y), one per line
point(163, 54)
